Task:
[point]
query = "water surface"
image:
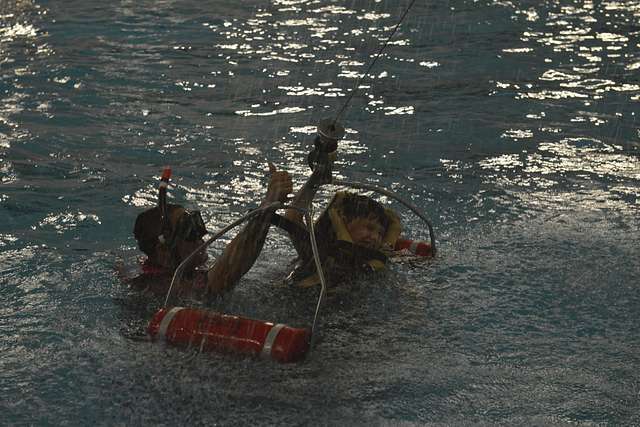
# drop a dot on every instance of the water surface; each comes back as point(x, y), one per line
point(513, 124)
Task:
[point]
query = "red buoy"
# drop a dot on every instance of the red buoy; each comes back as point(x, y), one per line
point(416, 247)
point(210, 331)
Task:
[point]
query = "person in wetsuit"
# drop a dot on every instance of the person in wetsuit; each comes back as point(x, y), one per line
point(168, 241)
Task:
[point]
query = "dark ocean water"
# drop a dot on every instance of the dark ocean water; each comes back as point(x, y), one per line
point(512, 124)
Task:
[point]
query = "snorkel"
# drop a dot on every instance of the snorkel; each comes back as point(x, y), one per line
point(162, 204)
point(189, 226)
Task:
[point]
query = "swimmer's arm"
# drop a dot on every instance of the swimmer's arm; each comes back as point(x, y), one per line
point(305, 195)
point(242, 252)
point(239, 255)
point(303, 199)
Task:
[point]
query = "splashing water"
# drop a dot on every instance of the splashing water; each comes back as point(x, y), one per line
point(513, 124)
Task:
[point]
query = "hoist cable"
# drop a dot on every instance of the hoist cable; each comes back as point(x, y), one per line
point(375, 59)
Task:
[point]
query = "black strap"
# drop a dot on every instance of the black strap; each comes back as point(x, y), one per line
point(360, 252)
point(349, 249)
point(287, 225)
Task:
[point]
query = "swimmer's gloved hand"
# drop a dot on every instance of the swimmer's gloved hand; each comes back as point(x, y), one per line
point(280, 186)
point(325, 145)
point(321, 161)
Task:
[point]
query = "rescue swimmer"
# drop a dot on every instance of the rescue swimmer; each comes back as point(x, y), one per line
point(354, 234)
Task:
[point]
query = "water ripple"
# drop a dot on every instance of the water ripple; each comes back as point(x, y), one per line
point(512, 124)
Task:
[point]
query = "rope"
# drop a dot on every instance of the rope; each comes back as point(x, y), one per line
point(375, 59)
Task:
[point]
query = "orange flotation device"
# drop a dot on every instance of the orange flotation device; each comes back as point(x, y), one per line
point(416, 247)
point(211, 331)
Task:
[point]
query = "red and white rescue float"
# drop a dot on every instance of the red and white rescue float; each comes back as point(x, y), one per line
point(210, 331)
point(416, 247)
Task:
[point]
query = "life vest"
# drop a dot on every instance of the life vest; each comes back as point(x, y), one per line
point(155, 278)
point(149, 269)
point(341, 250)
point(334, 211)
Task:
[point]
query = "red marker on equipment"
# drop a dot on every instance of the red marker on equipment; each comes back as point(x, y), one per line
point(166, 174)
point(164, 179)
point(416, 247)
point(210, 331)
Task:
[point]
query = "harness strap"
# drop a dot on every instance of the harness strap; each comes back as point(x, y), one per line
point(287, 225)
point(346, 247)
point(360, 252)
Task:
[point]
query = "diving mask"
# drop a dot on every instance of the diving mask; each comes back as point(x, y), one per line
point(190, 226)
